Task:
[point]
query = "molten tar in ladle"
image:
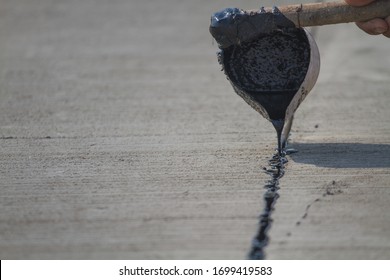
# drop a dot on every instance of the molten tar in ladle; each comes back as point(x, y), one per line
point(267, 61)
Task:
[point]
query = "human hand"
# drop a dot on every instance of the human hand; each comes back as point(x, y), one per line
point(374, 26)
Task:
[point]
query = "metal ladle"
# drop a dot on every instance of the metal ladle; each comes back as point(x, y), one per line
point(271, 61)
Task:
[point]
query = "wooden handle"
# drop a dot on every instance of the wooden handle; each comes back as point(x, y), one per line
point(333, 12)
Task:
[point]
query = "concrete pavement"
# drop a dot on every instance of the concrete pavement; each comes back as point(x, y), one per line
point(121, 139)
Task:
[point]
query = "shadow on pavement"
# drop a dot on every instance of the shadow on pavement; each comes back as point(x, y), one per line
point(342, 155)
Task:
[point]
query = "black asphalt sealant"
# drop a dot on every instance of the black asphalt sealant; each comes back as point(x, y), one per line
point(265, 58)
point(261, 239)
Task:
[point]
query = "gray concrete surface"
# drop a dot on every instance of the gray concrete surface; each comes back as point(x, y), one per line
point(121, 139)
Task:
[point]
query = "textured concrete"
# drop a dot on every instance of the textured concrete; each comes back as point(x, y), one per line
point(121, 139)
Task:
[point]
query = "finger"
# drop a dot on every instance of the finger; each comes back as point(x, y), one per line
point(375, 26)
point(358, 2)
point(387, 33)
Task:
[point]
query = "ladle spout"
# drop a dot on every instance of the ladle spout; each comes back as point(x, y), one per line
point(278, 125)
